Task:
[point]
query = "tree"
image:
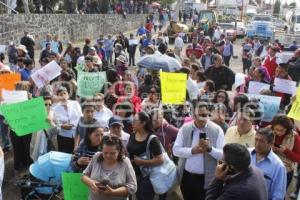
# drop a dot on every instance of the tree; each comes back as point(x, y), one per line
point(293, 5)
point(276, 9)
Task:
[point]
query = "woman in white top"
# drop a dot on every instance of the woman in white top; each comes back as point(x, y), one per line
point(68, 113)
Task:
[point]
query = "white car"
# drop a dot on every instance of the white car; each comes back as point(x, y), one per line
point(240, 29)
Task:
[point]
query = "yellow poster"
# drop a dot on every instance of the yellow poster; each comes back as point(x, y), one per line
point(295, 110)
point(173, 87)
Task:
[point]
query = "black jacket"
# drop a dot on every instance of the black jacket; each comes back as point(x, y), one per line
point(249, 185)
point(223, 77)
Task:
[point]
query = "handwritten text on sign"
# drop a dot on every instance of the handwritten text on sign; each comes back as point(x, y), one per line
point(73, 188)
point(173, 86)
point(90, 83)
point(26, 117)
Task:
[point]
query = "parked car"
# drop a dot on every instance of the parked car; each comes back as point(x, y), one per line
point(240, 29)
point(229, 30)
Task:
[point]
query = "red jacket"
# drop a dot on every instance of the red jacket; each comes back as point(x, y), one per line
point(271, 65)
point(293, 155)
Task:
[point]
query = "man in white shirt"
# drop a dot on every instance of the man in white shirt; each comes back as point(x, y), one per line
point(217, 34)
point(116, 128)
point(102, 114)
point(198, 145)
point(178, 45)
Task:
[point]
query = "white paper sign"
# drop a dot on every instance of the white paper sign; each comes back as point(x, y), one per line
point(239, 79)
point(255, 87)
point(133, 42)
point(284, 86)
point(2, 48)
point(14, 96)
point(44, 75)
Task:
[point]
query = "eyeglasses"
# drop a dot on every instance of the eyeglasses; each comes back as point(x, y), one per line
point(48, 104)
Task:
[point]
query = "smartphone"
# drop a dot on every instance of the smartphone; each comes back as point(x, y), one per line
point(202, 136)
point(277, 145)
point(102, 185)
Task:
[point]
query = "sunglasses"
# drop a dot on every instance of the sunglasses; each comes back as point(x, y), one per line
point(48, 104)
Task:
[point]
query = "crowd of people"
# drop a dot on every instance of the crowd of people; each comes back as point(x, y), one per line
point(218, 138)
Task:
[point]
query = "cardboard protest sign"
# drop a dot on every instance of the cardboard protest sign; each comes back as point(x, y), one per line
point(14, 96)
point(90, 83)
point(26, 117)
point(295, 110)
point(173, 87)
point(255, 87)
point(46, 74)
point(8, 81)
point(284, 86)
point(239, 79)
point(73, 188)
point(269, 105)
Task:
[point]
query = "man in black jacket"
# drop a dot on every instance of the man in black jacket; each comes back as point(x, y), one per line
point(222, 76)
point(235, 179)
point(28, 42)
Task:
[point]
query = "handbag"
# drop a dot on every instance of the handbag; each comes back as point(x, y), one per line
point(50, 145)
point(164, 176)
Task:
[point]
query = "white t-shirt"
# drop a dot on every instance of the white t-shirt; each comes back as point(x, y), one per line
point(178, 44)
point(192, 89)
point(103, 116)
point(124, 137)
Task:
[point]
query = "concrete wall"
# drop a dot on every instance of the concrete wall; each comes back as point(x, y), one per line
point(69, 27)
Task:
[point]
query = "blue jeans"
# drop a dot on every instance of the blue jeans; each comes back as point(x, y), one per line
point(4, 133)
point(108, 56)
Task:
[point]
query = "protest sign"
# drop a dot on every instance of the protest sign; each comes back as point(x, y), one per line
point(284, 86)
point(46, 74)
point(269, 105)
point(26, 117)
point(14, 96)
point(79, 67)
point(295, 110)
point(133, 42)
point(90, 83)
point(8, 81)
point(73, 188)
point(239, 79)
point(2, 48)
point(173, 87)
point(255, 87)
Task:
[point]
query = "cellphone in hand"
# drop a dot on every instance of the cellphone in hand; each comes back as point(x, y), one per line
point(103, 185)
point(202, 136)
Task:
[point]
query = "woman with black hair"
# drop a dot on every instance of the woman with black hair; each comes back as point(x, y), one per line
point(153, 100)
point(287, 144)
point(110, 175)
point(87, 148)
point(137, 144)
point(221, 96)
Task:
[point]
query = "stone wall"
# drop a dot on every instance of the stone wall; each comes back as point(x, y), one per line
point(69, 27)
